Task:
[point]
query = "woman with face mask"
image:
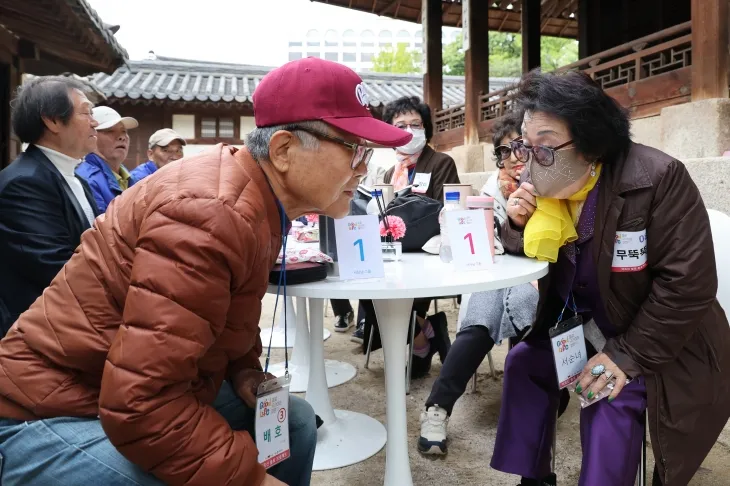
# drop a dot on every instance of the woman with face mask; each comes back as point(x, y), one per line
point(420, 166)
point(632, 278)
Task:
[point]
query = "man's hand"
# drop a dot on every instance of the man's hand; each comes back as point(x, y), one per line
point(272, 481)
point(521, 204)
point(246, 383)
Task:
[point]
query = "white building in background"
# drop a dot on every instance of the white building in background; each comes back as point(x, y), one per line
point(355, 46)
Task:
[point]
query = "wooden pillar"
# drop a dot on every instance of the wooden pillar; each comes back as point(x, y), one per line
point(709, 49)
point(530, 35)
point(475, 28)
point(584, 29)
point(433, 78)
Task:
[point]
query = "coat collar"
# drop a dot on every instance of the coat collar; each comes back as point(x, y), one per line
point(629, 172)
point(256, 173)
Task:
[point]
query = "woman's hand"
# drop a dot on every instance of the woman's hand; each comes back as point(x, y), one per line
point(521, 204)
point(591, 385)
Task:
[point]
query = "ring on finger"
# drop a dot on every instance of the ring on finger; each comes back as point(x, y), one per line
point(516, 201)
point(608, 375)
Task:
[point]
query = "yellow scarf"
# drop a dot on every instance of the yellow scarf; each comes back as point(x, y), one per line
point(553, 223)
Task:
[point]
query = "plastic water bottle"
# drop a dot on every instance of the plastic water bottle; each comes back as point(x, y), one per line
point(451, 204)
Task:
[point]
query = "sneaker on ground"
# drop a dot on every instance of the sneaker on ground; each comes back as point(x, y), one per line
point(343, 323)
point(433, 431)
point(359, 335)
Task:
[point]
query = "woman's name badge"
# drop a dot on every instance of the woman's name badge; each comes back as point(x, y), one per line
point(629, 251)
point(272, 421)
point(569, 350)
point(421, 182)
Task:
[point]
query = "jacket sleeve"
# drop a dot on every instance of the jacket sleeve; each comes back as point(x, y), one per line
point(446, 173)
point(36, 239)
point(189, 256)
point(681, 259)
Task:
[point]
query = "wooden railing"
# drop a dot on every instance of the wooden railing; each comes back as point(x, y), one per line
point(650, 56)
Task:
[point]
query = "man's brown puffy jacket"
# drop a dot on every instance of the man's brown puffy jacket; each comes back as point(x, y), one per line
point(159, 303)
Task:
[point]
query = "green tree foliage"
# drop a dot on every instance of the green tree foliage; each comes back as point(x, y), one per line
point(505, 54)
point(398, 60)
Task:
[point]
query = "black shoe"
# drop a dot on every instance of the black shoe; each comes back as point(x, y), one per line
point(359, 335)
point(549, 480)
point(441, 340)
point(421, 366)
point(343, 323)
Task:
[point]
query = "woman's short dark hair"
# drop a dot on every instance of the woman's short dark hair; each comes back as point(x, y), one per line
point(600, 127)
point(504, 127)
point(407, 104)
point(42, 97)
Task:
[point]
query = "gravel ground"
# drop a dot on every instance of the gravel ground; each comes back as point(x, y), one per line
point(472, 428)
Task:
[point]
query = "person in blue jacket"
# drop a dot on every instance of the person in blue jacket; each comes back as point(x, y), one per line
point(103, 170)
point(165, 146)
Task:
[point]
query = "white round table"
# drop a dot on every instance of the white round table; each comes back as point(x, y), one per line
point(417, 275)
point(338, 372)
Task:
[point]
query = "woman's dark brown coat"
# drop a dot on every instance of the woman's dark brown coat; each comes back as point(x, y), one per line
point(673, 330)
point(441, 167)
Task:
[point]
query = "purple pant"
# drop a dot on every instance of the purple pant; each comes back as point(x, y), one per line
point(610, 433)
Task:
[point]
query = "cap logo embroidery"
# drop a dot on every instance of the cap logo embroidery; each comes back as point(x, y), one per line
point(362, 95)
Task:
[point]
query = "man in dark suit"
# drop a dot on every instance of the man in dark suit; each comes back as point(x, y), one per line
point(44, 208)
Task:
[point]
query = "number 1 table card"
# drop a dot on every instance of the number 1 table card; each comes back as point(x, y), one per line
point(469, 240)
point(359, 252)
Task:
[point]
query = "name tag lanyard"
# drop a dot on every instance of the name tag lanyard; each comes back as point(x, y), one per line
point(272, 398)
point(282, 283)
point(568, 343)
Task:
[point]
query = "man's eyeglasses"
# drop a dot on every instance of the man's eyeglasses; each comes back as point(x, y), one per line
point(413, 126)
point(361, 153)
point(543, 154)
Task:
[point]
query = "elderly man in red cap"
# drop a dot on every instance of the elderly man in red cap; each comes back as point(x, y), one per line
point(139, 365)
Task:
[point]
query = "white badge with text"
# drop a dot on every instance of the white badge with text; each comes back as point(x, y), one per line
point(629, 251)
point(421, 182)
point(272, 422)
point(569, 351)
point(469, 240)
point(359, 250)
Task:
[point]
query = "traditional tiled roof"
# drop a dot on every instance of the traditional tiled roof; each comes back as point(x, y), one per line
point(168, 79)
point(68, 32)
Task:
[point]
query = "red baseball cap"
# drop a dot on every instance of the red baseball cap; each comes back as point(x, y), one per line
point(316, 89)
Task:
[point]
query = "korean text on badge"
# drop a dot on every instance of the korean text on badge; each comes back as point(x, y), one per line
point(272, 427)
point(629, 251)
point(569, 352)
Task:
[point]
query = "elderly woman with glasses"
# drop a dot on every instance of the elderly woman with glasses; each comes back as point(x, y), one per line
point(420, 166)
point(631, 259)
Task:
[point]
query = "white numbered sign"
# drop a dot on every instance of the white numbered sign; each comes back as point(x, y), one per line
point(469, 240)
point(359, 251)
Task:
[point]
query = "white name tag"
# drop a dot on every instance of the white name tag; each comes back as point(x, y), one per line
point(421, 182)
point(272, 422)
point(569, 351)
point(629, 251)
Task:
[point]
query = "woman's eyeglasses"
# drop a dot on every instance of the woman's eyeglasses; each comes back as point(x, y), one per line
point(413, 126)
point(361, 153)
point(504, 152)
point(543, 154)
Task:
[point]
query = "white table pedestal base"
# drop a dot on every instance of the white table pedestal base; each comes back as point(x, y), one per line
point(346, 437)
point(338, 372)
point(393, 317)
point(353, 438)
